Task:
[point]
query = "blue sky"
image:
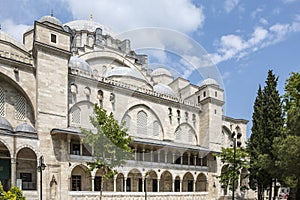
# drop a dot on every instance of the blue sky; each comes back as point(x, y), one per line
point(244, 39)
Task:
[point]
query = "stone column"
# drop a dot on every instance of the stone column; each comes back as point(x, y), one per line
point(143, 184)
point(173, 185)
point(189, 158)
point(180, 185)
point(125, 184)
point(195, 160)
point(143, 151)
point(166, 157)
point(69, 146)
point(151, 156)
point(80, 148)
point(135, 153)
point(93, 183)
point(173, 158)
point(115, 183)
point(194, 187)
point(181, 159)
point(158, 180)
point(158, 156)
point(13, 172)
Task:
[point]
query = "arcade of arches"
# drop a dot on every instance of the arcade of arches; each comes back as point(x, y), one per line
point(136, 181)
point(20, 169)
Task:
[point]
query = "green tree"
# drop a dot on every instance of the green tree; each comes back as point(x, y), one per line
point(267, 124)
point(232, 166)
point(288, 145)
point(110, 144)
point(13, 194)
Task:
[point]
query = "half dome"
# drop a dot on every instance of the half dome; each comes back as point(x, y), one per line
point(5, 125)
point(25, 128)
point(8, 38)
point(163, 89)
point(124, 71)
point(80, 64)
point(161, 71)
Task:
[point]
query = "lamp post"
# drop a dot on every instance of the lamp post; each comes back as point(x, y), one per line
point(234, 158)
point(40, 169)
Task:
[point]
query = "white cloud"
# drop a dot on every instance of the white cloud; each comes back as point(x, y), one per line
point(123, 15)
point(13, 29)
point(230, 5)
point(235, 47)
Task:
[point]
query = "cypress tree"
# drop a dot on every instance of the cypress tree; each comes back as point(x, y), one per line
point(267, 124)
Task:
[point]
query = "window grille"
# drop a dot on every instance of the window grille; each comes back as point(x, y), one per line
point(76, 116)
point(2, 102)
point(178, 134)
point(20, 107)
point(142, 123)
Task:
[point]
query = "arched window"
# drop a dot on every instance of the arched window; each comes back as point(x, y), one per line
point(20, 107)
point(75, 116)
point(156, 128)
point(2, 102)
point(90, 41)
point(142, 123)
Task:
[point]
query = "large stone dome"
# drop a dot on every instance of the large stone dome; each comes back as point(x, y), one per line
point(89, 25)
point(124, 71)
point(8, 38)
point(161, 71)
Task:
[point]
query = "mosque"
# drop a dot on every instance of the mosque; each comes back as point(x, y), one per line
point(48, 86)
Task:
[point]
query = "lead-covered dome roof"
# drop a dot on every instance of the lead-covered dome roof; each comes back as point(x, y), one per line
point(124, 71)
point(89, 25)
point(5, 125)
point(80, 64)
point(163, 89)
point(209, 81)
point(161, 71)
point(51, 19)
point(25, 128)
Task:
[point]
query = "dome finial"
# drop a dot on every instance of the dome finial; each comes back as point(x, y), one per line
point(91, 17)
point(51, 13)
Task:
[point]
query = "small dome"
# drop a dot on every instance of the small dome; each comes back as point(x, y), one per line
point(163, 89)
point(51, 19)
point(161, 71)
point(89, 25)
point(25, 128)
point(4, 124)
point(209, 81)
point(80, 64)
point(124, 71)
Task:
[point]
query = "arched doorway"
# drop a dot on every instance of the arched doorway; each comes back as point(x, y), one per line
point(108, 184)
point(134, 181)
point(151, 181)
point(165, 184)
point(81, 179)
point(188, 182)
point(27, 168)
point(5, 165)
point(201, 183)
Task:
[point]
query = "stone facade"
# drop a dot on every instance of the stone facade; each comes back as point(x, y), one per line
point(48, 87)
